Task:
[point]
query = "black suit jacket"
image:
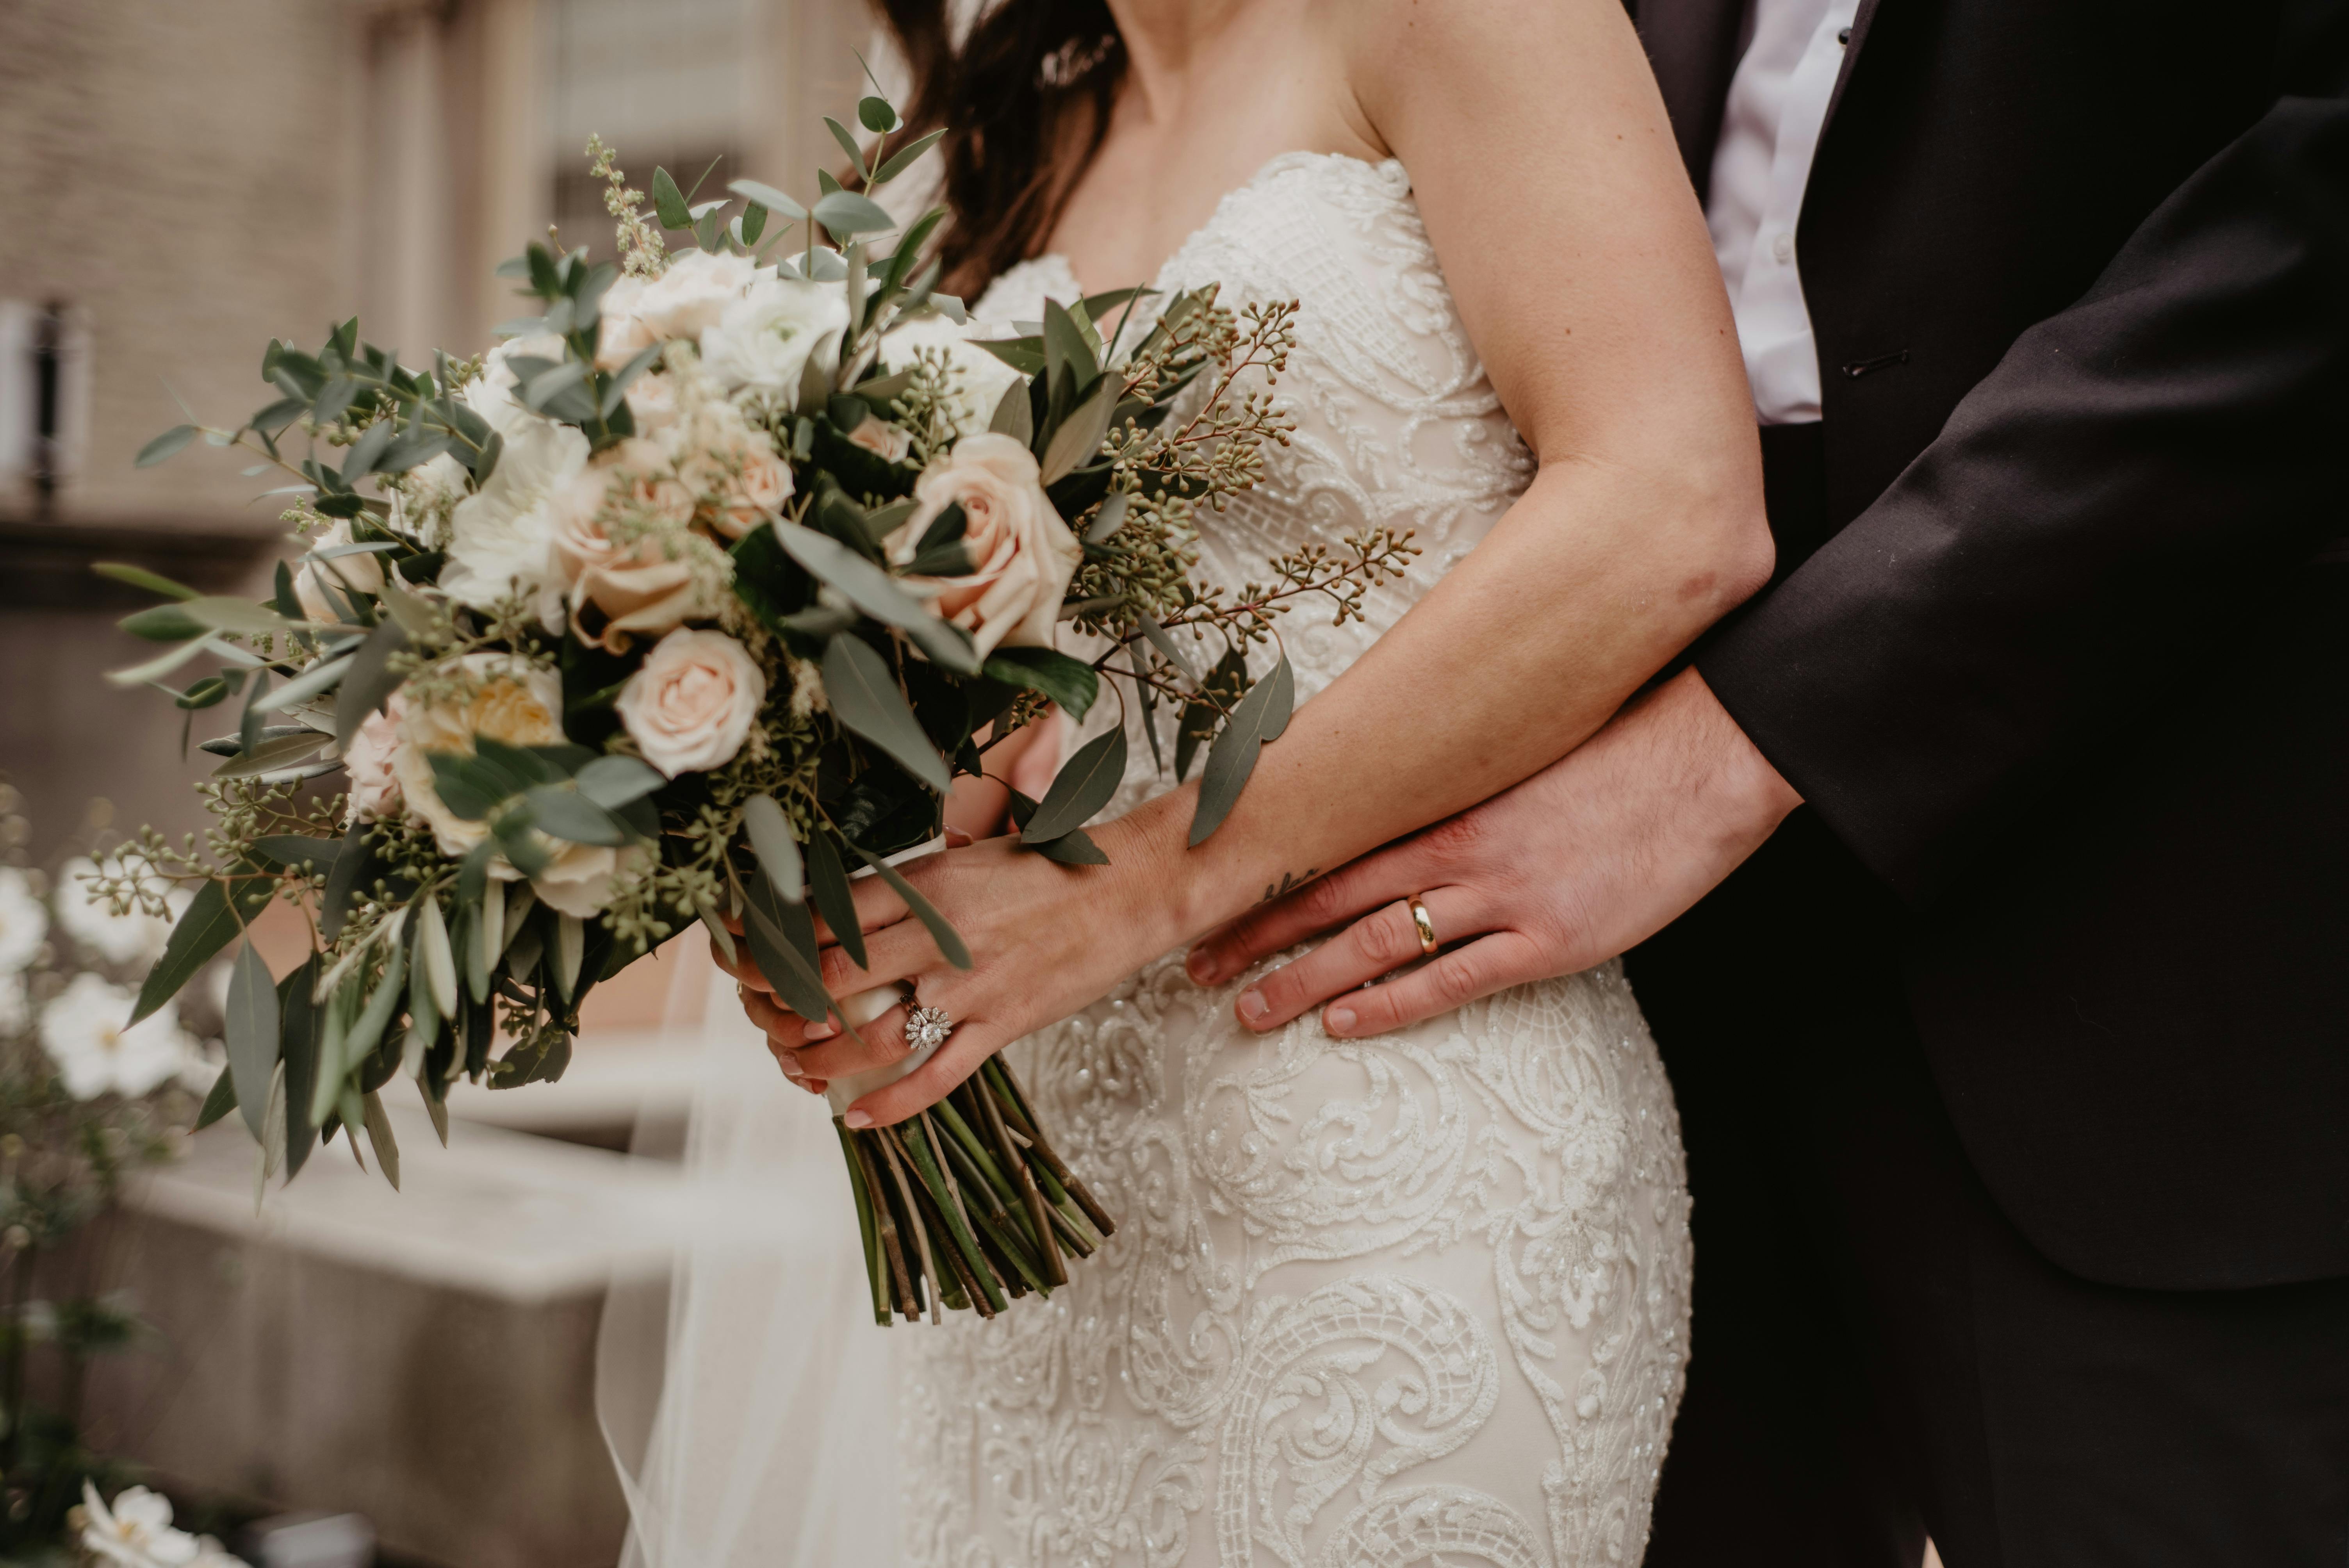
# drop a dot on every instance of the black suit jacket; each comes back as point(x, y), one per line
point(2071, 672)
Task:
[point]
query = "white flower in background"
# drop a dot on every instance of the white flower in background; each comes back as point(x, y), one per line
point(23, 921)
point(767, 341)
point(511, 701)
point(136, 937)
point(500, 538)
point(136, 1533)
point(86, 1030)
point(375, 782)
point(15, 1006)
point(689, 297)
point(652, 403)
point(362, 571)
point(979, 379)
point(200, 1068)
point(426, 495)
point(691, 704)
point(1023, 554)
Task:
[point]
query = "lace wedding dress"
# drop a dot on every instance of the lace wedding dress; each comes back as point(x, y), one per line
point(1420, 1299)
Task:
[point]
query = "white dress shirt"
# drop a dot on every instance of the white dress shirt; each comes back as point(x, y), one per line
point(1777, 106)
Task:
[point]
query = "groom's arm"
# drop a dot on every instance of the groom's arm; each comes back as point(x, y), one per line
point(2139, 474)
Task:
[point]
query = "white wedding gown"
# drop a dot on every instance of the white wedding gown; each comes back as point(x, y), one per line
point(1419, 1299)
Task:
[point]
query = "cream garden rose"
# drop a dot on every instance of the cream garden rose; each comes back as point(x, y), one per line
point(690, 706)
point(508, 700)
point(501, 538)
point(512, 701)
point(1024, 553)
point(622, 552)
point(370, 759)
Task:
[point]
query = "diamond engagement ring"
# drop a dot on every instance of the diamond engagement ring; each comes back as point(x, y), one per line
point(927, 1028)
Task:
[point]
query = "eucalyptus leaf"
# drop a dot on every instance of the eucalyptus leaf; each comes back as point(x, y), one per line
point(783, 951)
point(1109, 519)
point(1070, 683)
point(1013, 416)
point(321, 676)
point(844, 214)
point(903, 159)
point(767, 196)
point(165, 446)
point(379, 1138)
point(865, 699)
point(208, 926)
point(1073, 848)
point(1166, 647)
point(370, 682)
point(834, 899)
point(870, 589)
point(841, 134)
point(1079, 439)
point(1081, 787)
point(950, 943)
point(139, 577)
point(285, 755)
point(615, 781)
point(568, 814)
point(1260, 716)
point(252, 1029)
point(220, 1101)
point(875, 115)
point(668, 202)
point(771, 837)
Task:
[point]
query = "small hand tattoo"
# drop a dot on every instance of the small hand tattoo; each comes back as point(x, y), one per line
point(1289, 880)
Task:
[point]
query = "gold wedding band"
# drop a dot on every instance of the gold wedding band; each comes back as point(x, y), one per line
point(1426, 926)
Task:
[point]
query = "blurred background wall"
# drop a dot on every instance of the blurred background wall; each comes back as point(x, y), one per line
point(184, 179)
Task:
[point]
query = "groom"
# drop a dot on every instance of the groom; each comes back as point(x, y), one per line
point(1989, 872)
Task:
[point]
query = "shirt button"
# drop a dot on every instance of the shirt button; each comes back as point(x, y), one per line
point(1783, 247)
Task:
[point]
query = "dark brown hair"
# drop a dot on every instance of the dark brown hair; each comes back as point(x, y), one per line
point(1025, 101)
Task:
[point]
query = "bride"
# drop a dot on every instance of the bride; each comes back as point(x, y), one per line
point(1410, 1299)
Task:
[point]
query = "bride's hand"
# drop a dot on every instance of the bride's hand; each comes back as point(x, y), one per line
point(1045, 939)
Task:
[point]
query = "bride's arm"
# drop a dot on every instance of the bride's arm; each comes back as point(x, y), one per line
point(1558, 205)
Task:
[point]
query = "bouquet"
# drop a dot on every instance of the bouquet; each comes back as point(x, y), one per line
point(685, 604)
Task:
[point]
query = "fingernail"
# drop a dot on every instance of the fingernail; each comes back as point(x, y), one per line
point(1340, 1020)
point(858, 1119)
point(1252, 1004)
point(818, 1032)
point(793, 1070)
point(1198, 965)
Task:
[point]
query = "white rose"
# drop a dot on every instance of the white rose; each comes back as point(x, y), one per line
point(511, 701)
point(979, 379)
point(1024, 553)
point(490, 394)
point(688, 298)
point(360, 570)
point(691, 705)
point(86, 1032)
point(136, 937)
point(652, 403)
point(499, 539)
point(370, 759)
point(23, 921)
point(768, 341)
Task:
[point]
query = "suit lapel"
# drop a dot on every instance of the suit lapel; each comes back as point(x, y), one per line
point(1850, 61)
point(1692, 48)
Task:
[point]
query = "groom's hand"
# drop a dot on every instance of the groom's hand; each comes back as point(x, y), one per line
point(1566, 871)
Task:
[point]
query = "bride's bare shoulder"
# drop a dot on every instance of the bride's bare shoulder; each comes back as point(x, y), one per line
point(1408, 61)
